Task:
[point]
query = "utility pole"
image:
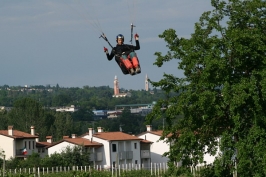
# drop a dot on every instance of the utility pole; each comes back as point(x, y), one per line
point(4, 163)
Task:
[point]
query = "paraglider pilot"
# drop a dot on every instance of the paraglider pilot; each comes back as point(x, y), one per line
point(125, 55)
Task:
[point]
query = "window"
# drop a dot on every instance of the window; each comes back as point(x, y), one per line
point(43, 150)
point(25, 144)
point(39, 150)
point(33, 144)
point(135, 145)
point(114, 147)
point(29, 144)
point(136, 161)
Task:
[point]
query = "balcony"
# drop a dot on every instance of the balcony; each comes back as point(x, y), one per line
point(97, 156)
point(19, 152)
point(125, 155)
point(122, 155)
point(145, 154)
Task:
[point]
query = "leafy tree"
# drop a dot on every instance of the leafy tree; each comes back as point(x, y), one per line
point(70, 156)
point(221, 98)
point(63, 125)
point(26, 112)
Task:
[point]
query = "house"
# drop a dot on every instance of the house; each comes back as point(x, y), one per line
point(71, 108)
point(99, 114)
point(17, 144)
point(91, 146)
point(158, 147)
point(120, 148)
point(41, 146)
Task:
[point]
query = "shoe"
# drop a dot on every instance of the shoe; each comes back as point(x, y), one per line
point(131, 71)
point(138, 70)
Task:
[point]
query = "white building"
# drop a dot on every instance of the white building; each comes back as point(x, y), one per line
point(91, 146)
point(41, 146)
point(13, 142)
point(120, 148)
point(158, 147)
point(72, 108)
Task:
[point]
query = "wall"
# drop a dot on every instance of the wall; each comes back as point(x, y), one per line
point(7, 144)
point(59, 147)
point(158, 148)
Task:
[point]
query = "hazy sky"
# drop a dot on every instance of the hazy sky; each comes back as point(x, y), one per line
point(57, 41)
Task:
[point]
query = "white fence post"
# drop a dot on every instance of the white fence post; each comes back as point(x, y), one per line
point(119, 169)
point(151, 168)
point(39, 172)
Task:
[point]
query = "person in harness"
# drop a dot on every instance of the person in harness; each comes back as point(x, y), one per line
point(125, 55)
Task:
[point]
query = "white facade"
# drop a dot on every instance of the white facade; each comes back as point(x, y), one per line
point(158, 147)
point(8, 147)
point(117, 152)
point(58, 148)
point(13, 141)
point(72, 108)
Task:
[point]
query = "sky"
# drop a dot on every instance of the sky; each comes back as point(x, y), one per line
point(57, 41)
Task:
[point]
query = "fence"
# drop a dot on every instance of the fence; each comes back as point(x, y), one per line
point(156, 169)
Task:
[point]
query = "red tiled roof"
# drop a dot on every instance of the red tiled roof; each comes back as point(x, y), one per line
point(146, 142)
point(17, 134)
point(155, 132)
point(115, 136)
point(42, 144)
point(78, 141)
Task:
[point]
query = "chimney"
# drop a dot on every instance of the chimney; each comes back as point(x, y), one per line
point(73, 135)
point(90, 131)
point(149, 128)
point(10, 130)
point(37, 139)
point(32, 130)
point(65, 137)
point(100, 129)
point(49, 139)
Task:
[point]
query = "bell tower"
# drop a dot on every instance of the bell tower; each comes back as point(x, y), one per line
point(116, 86)
point(146, 83)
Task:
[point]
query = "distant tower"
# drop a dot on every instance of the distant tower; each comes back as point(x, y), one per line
point(146, 83)
point(116, 87)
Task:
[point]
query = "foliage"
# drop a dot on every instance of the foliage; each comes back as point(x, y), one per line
point(88, 98)
point(92, 173)
point(220, 101)
point(70, 156)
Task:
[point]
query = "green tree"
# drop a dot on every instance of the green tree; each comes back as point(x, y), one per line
point(70, 156)
point(222, 95)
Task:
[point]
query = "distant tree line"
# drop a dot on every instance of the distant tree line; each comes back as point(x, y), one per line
point(86, 97)
point(28, 109)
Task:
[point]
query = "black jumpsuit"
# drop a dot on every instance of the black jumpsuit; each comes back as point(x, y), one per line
point(119, 50)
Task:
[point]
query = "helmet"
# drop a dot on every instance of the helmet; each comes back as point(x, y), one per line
point(119, 36)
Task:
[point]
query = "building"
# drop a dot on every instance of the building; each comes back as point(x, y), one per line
point(147, 83)
point(158, 147)
point(91, 146)
point(4, 108)
point(99, 114)
point(41, 146)
point(117, 94)
point(120, 148)
point(141, 109)
point(17, 144)
point(72, 108)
